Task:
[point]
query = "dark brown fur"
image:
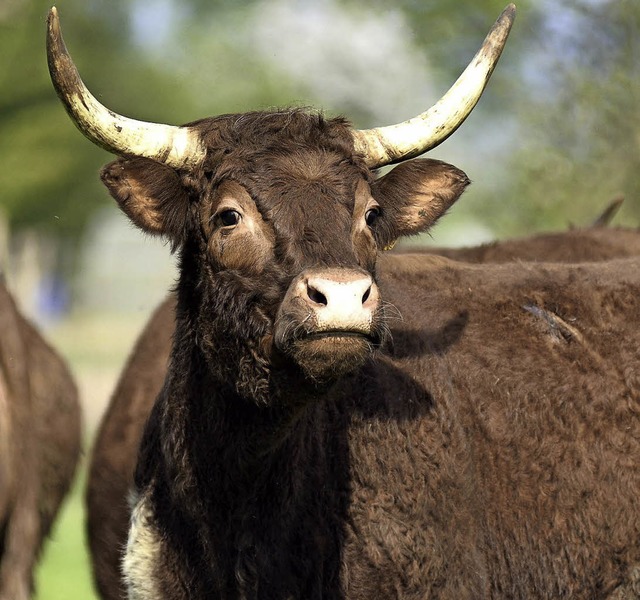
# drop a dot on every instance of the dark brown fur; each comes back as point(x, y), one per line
point(39, 445)
point(573, 246)
point(477, 454)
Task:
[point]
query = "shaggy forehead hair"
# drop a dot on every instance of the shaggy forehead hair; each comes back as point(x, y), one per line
point(254, 135)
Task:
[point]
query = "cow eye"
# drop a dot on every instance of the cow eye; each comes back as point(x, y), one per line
point(229, 218)
point(371, 216)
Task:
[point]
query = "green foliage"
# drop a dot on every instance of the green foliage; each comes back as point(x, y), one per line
point(451, 32)
point(576, 124)
point(48, 175)
point(580, 120)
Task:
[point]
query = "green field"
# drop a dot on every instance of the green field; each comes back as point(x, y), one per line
point(64, 572)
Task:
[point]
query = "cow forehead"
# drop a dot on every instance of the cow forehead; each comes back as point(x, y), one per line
point(302, 185)
point(301, 166)
point(308, 198)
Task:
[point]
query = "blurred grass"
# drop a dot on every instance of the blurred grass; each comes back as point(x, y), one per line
point(64, 572)
point(96, 339)
point(96, 346)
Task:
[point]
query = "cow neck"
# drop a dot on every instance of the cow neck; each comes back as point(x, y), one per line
point(265, 482)
point(220, 365)
point(257, 432)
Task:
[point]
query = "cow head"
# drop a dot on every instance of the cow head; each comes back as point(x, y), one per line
point(279, 217)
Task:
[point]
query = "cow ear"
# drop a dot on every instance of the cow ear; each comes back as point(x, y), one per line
point(150, 194)
point(414, 195)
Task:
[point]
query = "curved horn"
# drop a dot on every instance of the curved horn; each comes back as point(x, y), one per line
point(386, 145)
point(178, 147)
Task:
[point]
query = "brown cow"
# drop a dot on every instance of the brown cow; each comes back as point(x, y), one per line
point(39, 445)
point(117, 442)
point(308, 443)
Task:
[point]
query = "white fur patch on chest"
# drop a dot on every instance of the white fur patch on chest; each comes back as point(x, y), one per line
point(142, 554)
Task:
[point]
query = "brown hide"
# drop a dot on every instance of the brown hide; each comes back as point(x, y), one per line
point(573, 246)
point(115, 449)
point(114, 452)
point(532, 446)
point(40, 437)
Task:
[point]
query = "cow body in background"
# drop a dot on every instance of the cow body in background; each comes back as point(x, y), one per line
point(39, 445)
point(573, 246)
point(525, 380)
point(115, 450)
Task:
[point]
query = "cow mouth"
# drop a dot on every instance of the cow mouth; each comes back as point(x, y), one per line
point(338, 334)
point(328, 355)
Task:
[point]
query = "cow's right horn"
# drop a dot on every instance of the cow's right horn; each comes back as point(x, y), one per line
point(178, 147)
point(394, 143)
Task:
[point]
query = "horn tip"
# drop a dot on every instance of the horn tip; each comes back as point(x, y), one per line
point(53, 14)
point(53, 22)
point(509, 12)
point(503, 24)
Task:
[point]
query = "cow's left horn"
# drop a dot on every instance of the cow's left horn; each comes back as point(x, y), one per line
point(178, 147)
point(386, 145)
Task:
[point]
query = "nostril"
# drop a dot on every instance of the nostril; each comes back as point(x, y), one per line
point(366, 295)
point(316, 296)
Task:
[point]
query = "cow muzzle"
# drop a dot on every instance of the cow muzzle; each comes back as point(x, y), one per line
point(330, 321)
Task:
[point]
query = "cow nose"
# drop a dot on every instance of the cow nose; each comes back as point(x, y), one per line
point(340, 299)
point(341, 293)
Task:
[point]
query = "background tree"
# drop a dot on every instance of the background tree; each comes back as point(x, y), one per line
point(577, 142)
